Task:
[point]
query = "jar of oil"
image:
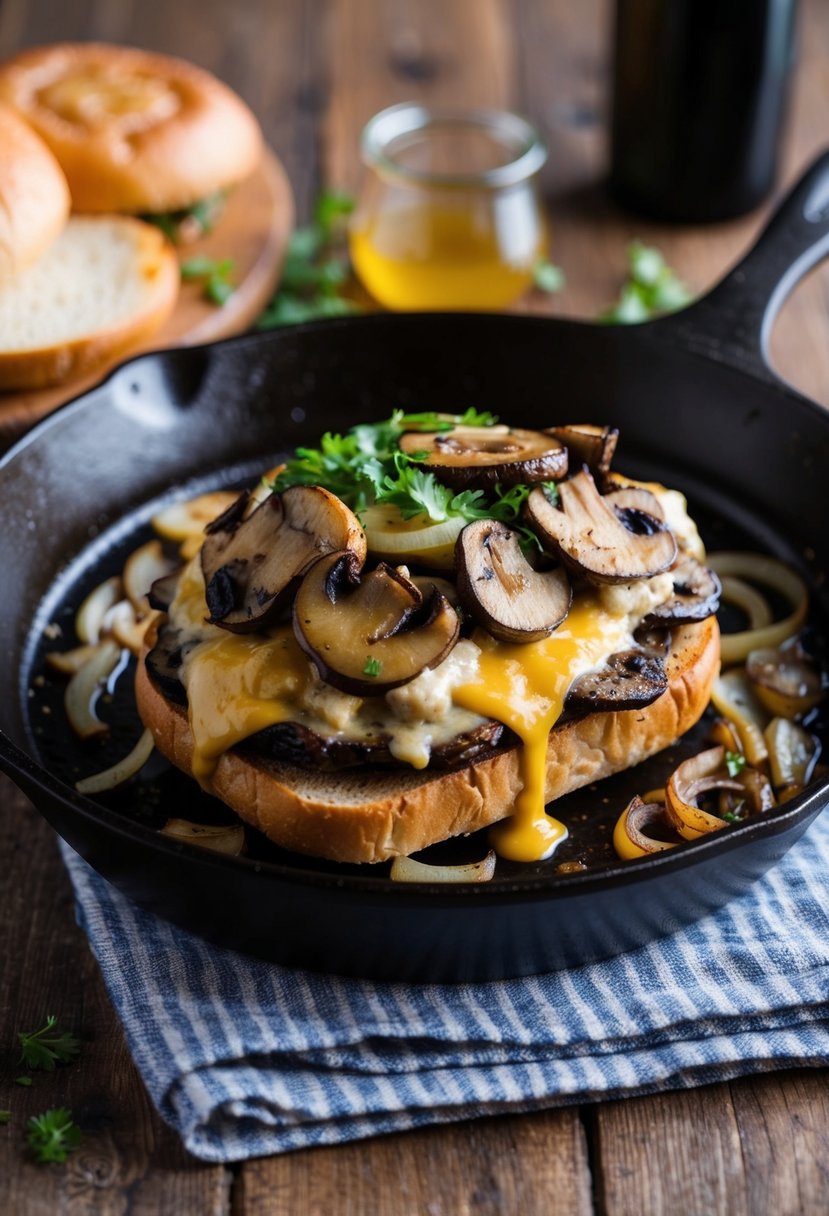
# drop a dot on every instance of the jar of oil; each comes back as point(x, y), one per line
point(449, 216)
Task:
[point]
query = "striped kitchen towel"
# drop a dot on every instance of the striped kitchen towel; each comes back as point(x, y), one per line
point(246, 1058)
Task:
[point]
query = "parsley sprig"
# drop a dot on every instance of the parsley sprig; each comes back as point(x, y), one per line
point(365, 466)
point(316, 268)
point(52, 1135)
point(42, 1049)
point(651, 289)
point(215, 274)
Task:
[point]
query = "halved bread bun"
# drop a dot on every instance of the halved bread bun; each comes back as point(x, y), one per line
point(133, 131)
point(105, 285)
point(369, 815)
point(34, 196)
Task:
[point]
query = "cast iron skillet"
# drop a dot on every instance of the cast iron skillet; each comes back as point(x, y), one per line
point(697, 406)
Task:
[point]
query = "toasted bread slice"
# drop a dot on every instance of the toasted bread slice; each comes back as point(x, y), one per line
point(133, 131)
point(34, 196)
point(369, 815)
point(104, 286)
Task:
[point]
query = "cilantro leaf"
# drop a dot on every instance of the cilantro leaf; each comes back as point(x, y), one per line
point(40, 1049)
point(52, 1135)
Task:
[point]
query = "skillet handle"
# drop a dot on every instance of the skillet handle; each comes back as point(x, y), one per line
point(732, 324)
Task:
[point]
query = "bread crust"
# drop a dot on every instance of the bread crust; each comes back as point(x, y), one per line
point(34, 195)
point(369, 816)
point(134, 131)
point(156, 263)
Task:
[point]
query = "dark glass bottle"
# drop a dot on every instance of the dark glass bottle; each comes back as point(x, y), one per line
point(699, 99)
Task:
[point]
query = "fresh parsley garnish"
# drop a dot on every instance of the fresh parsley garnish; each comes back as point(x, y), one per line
point(651, 289)
point(316, 268)
point(365, 466)
point(52, 1135)
point(373, 667)
point(218, 285)
point(735, 762)
point(732, 817)
point(42, 1049)
point(547, 277)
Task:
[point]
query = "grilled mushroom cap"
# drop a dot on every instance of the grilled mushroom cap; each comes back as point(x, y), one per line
point(478, 457)
point(604, 542)
point(368, 635)
point(630, 679)
point(593, 446)
point(252, 564)
point(696, 594)
point(500, 589)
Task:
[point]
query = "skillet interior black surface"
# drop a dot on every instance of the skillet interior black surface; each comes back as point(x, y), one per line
point(752, 455)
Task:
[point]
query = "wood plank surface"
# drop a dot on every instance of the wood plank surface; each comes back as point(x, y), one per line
point(314, 72)
point(129, 1160)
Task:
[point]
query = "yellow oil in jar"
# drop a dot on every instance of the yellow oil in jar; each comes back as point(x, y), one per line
point(427, 256)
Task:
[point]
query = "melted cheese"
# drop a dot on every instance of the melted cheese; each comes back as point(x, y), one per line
point(524, 686)
point(237, 686)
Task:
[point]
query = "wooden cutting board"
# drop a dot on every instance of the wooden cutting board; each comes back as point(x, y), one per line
point(253, 231)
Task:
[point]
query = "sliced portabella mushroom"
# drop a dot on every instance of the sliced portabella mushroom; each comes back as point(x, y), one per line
point(306, 748)
point(604, 543)
point(479, 457)
point(368, 635)
point(630, 679)
point(696, 594)
point(501, 590)
point(163, 591)
point(594, 446)
point(251, 564)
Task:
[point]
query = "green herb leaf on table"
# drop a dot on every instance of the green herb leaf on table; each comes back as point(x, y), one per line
point(52, 1135)
point(547, 277)
point(651, 289)
point(25, 1081)
point(218, 285)
point(42, 1049)
point(316, 268)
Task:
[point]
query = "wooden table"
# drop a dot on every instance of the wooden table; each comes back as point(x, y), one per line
point(314, 72)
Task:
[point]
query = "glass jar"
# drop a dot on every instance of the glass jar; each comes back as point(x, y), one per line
point(449, 216)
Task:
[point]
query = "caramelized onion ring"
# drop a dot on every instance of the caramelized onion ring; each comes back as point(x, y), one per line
point(694, 777)
point(756, 567)
point(406, 869)
point(630, 836)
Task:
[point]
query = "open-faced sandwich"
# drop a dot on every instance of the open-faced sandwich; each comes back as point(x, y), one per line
point(428, 626)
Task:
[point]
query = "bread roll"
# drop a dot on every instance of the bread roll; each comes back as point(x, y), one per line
point(34, 196)
point(369, 815)
point(133, 131)
point(104, 286)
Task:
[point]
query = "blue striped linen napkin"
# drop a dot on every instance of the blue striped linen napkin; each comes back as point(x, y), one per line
point(246, 1058)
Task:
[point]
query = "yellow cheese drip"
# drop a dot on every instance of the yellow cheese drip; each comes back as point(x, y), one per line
point(524, 686)
point(238, 685)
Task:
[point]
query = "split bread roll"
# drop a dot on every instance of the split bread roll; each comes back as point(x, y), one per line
point(104, 286)
point(34, 196)
point(133, 131)
point(369, 815)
